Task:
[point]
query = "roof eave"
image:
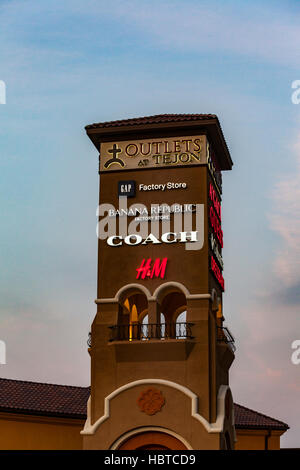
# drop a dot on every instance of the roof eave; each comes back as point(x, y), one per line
point(209, 126)
point(50, 414)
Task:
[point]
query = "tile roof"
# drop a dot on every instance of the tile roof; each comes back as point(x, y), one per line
point(103, 131)
point(43, 399)
point(156, 119)
point(249, 419)
point(18, 396)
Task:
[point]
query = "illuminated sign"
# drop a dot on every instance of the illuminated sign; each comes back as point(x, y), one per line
point(215, 214)
point(146, 270)
point(215, 221)
point(215, 173)
point(217, 272)
point(215, 249)
point(138, 210)
point(216, 226)
point(215, 200)
point(168, 237)
point(153, 153)
point(126, 188)
point(162, 186)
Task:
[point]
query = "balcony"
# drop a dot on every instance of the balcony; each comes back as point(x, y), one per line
point(161, 331)
point(224, 335)
point(150, 331)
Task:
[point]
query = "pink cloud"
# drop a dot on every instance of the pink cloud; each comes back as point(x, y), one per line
point(285, 220)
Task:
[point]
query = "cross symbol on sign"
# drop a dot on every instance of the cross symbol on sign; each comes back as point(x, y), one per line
point(114, 151)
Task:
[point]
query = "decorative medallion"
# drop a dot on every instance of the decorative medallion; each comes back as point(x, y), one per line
point(151, 401)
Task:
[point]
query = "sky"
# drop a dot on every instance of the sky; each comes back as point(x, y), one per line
point(68, 64)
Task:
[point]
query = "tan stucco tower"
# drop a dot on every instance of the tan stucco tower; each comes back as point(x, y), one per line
point(160, 354)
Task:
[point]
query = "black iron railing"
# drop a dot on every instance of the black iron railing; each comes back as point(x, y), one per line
point(223, 334)
point(140, 332)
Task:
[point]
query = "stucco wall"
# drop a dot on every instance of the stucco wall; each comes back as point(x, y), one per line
point(23, 432)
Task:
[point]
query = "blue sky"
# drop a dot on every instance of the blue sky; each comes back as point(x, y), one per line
point(68, 64)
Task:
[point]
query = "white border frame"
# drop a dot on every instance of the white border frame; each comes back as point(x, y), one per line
point(158, 290)
point(216, 427)
point(137, 431)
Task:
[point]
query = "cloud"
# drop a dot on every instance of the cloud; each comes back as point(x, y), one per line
point(290, 295)
point(257, 31)
point(285, 220)
point(67, 64)
point(273, 372)
point(263, 376)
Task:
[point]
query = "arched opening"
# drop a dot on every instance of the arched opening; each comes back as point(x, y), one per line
point(174, 309)
point(172, 304)
point(147, 330)
point(168, 313)
point(133, 306)
point(162, 326)
point(181, 325)
point(153, 447)
point(152, 440)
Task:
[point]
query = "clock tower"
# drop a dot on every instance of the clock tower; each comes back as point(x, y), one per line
point(160, 353)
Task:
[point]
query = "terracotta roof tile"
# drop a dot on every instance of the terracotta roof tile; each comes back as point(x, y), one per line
point(156, 119)
point(69, 401)
point(43, 398)
point(249, 419)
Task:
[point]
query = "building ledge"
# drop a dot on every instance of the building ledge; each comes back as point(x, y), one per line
point(152, 350)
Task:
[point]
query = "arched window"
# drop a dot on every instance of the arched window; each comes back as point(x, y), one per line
point(181, 325)
point(133, 319)
point(162, 326)
point(171, 305)
point(181, 317)
point(131, 308)
point(146, 330)
point(145, 327)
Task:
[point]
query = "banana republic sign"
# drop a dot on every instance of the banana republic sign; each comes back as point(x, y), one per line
point(153, 153)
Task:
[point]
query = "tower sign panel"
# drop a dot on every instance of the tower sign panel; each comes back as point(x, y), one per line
point(153, 153)
point(158, 332)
